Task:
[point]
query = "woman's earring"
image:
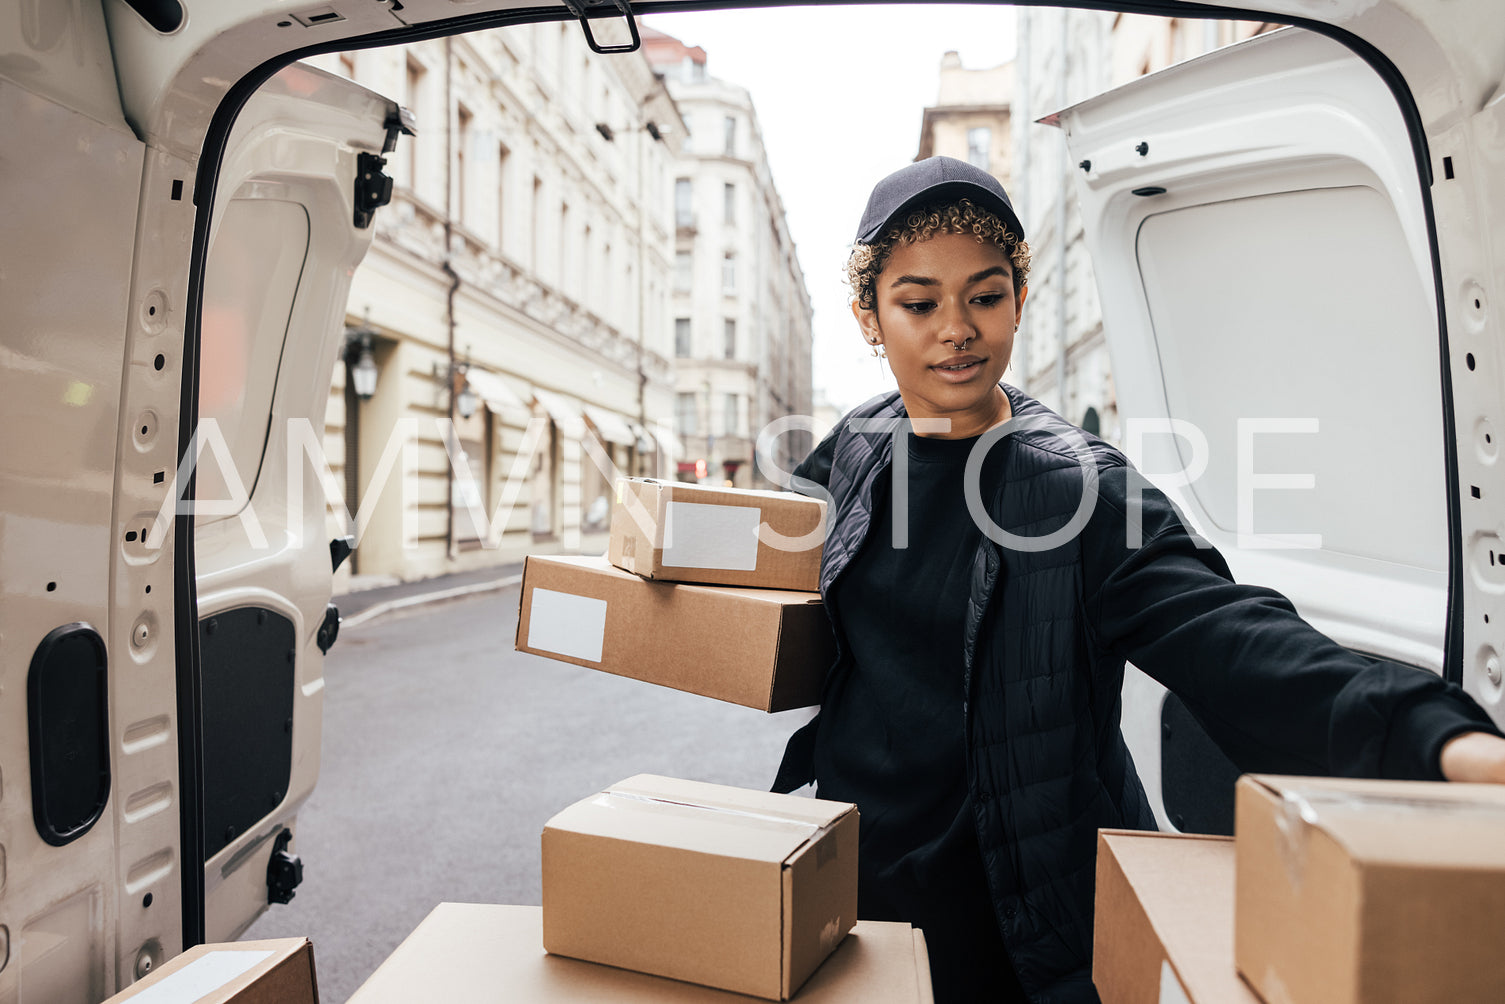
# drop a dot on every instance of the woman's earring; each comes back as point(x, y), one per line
point(878, 349)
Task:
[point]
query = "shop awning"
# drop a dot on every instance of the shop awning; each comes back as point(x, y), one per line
point(610, 426)
point(564, 412)
point(669, 442)
point(493, 390)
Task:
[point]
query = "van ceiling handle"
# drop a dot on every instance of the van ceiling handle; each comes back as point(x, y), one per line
point(578, 8)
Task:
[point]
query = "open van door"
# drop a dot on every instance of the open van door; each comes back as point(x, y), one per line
point(298, 186)
point(1263, 254)
point(150, 776)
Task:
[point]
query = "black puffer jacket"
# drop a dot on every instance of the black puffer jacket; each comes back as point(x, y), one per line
point(1048, 632)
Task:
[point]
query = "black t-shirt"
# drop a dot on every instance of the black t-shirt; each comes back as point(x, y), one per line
point(892, 733)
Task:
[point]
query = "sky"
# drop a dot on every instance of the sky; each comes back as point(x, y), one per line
point(840, 92)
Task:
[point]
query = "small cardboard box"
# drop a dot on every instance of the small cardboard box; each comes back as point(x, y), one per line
point(743, 890)
point(466, 953)
point(243, 972)
point(1163, 929)
point(1370, 892)
point(763, 648)
point(723, 536)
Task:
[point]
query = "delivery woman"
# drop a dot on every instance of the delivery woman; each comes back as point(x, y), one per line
point(973, 712)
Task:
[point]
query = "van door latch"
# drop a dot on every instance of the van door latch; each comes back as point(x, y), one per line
point(329, 630)
point(579, 9)
point(284, 870)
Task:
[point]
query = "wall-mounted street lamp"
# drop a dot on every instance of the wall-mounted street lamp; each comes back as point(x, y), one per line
point(454, 377)
point(359, 343)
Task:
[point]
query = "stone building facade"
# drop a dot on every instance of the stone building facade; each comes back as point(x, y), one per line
point(740, 312)
point(514, 302)
point(971, 119)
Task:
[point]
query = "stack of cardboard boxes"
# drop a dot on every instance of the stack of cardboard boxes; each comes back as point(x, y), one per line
point(711, 591)
point(1333, 891)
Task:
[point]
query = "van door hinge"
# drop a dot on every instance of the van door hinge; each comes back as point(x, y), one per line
point(372, 188)
point(581, 10)
point(400, 122)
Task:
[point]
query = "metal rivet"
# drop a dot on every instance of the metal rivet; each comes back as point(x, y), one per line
point(141, 635)
point(1492, 670)
point(144, 963)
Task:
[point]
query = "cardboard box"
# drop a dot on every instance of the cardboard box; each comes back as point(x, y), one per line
point(1370, 891)
point(724, 536)
point(244, 972)
point(464, 953)
point(763, 648)
point(1163, 928)
point(743, 890)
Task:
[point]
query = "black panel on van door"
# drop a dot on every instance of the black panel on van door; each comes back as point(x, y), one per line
point(248, 655)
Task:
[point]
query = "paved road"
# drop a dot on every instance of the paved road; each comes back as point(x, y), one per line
point(445, 752)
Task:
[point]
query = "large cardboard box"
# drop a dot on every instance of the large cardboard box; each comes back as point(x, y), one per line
point(1370, 892)
point(243, 972)
point(763, 648)
point(743, 890)
point(1163, 928)
point(470, 954)
point(727, 536)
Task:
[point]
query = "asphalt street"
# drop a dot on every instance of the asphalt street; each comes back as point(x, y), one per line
point(445, 752)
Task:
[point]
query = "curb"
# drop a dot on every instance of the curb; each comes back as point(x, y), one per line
point(374, 611)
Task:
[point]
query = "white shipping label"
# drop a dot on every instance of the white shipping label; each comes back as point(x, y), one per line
point(1171, 990)
point(567, 624)
point(200, 977)
point(697, 535)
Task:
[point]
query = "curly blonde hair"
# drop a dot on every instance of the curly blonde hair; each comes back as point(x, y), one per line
point(960, 217)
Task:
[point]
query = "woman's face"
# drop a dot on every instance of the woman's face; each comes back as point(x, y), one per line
point(945, 312)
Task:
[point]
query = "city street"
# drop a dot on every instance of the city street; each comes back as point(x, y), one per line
point(444, 753)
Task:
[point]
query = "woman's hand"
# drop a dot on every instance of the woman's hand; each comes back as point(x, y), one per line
point(1474, 756)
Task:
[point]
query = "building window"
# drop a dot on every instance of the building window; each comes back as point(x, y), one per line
point(684, 271)
point(544, 484)
point(407, 149)
point(462, 148)
point(686, 415)
point(729, 128)
point(729, 273)
point(562, 237)
point(502, 155)
point(729, 338)
point(730, 424)
point(729, 203)
point(535, 257)
point(684, 202)
point(979, 146)
point(682, 337)
point(472, 494)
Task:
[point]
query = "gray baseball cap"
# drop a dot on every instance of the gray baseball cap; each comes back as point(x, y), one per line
point(934, 179)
